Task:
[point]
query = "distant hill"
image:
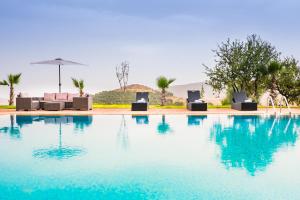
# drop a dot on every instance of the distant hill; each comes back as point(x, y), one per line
point(137, 88)
point(117, 96)
point(209, 94)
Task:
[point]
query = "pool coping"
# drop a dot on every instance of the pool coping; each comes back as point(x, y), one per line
point(219, 111)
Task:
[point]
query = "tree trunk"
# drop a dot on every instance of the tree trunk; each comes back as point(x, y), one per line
point(81, 92)
point(273, 87)
point(163, 97)
point(11, 95)
point(163, 119)
point(12, 121)
point(256, 90)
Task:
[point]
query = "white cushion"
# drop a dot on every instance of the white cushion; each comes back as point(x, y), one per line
point(248, 101)
point(142, 100)
point(199, 101)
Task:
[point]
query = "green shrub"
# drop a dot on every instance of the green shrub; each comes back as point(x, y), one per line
point(119, 97)
point(178, 103)
point(228, 99)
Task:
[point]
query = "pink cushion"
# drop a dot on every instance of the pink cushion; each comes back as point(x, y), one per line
point(49, 96)
point(70, 96)
point(61, 96)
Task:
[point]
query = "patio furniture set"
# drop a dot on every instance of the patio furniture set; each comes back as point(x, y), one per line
point(68, 101)
point(54, 102)
point(193, 102)
point(240, 102)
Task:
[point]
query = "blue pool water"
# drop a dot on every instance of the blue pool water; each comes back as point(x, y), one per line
point(149, 157)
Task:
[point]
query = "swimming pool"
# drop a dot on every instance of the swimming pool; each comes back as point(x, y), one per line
point(149, 157)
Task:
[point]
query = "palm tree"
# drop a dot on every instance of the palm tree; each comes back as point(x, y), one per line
point(12, 130)
point(163, 83)
point(272, 70)
point(78, 84)
point(163, 127)
point(12, 80)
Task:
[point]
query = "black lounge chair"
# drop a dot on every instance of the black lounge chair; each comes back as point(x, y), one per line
point(139, 105)
point(239, 102)
point(191, 102)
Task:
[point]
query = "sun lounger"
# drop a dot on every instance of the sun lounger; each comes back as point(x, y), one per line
point(142, 101)
point(241, 102)
point(194, 103)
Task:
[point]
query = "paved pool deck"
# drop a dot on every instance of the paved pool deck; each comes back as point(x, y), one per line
point(221, 111)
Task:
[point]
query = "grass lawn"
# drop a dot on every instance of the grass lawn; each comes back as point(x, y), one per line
point(7, 107)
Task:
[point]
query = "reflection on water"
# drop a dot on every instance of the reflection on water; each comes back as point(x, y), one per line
point(163, 127)
point(122, 135)
point(245, 142)
point(12, 129)
point(249, 142)
point(196, 120)
point(141, 119)
point(79, 122)
point(82, 122)
point(123, 157)
point(57, 152)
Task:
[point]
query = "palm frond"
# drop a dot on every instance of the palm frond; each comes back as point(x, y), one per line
point(81, 84)
point(171, 81)
point(17, 78)
point(14, 78)
point(4, 82)
point(75, 82)
point(162, 82)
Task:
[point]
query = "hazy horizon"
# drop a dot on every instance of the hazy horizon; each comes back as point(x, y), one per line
point(171, 38)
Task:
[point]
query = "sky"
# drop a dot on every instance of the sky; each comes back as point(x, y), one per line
point(157, 37)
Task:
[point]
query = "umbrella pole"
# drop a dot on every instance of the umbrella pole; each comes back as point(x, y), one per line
point(59, 84)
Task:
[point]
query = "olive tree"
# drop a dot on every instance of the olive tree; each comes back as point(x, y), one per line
point(242, 65)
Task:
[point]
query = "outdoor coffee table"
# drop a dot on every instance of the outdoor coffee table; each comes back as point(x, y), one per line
point(54, 106)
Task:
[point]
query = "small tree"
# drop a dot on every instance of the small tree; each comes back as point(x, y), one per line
point(163, 83)
point(12, 80)
point(79, 84)
point(242, 65)
point(273, 70)
point(202, 92)
point(122, 73)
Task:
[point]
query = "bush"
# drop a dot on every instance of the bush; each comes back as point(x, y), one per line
point(119, 97)
point(178, 103)
point(228, 99)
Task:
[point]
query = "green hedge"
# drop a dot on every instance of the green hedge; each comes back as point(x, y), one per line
point(117, 97)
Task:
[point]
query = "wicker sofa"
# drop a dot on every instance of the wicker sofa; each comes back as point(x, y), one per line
point(54, 102)
point(28, 103)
